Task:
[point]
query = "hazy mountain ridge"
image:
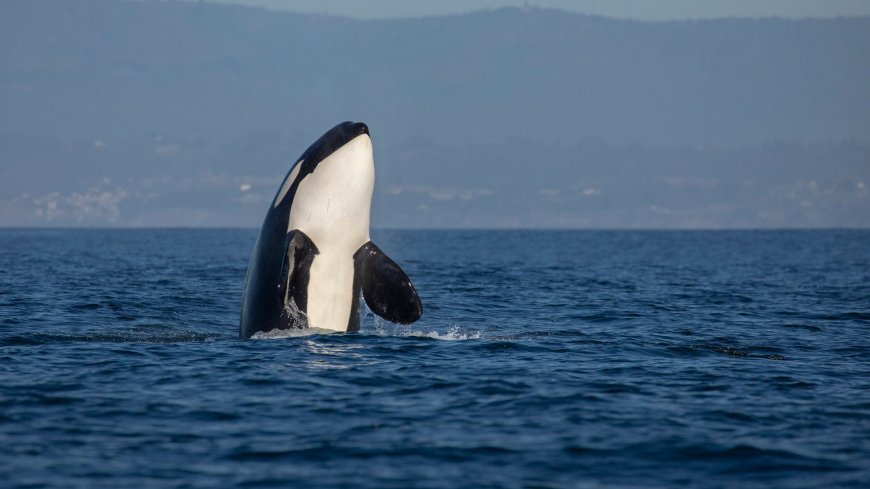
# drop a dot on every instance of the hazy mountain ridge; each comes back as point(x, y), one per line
point(202, 69)
point(166, 181)
point(155, 113)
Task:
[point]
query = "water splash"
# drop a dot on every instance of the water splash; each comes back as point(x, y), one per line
point(298, 321)
point(295, 316)
point(453, 334)
point(277, 334)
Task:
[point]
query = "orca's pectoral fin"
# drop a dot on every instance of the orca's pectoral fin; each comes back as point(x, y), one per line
point(386, 289)
point(293, 281)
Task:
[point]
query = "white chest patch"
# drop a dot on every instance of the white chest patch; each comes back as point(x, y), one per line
point(332, 207)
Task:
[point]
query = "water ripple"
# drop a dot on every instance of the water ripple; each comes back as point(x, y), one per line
point(544, 359)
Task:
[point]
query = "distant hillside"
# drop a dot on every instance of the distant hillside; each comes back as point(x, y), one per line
point(100, 68)
point(168, 113)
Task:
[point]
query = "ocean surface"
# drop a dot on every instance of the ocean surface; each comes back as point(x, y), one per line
point(543, 359)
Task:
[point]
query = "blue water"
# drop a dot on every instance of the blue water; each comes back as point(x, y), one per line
point(543, 359)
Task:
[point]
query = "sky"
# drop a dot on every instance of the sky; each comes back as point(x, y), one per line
point(654, 10)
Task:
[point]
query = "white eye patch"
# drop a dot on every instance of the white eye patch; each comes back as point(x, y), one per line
point(288, 183)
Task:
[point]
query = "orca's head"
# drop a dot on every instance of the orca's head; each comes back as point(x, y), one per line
point(332, 180)
point(334, 140)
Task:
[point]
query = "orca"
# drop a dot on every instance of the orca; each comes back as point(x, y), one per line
point(314, 254)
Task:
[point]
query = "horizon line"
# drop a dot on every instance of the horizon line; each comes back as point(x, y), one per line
point(479, 229)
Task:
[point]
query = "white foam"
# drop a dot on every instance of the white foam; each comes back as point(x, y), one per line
point(371, 324)
point(374, 325)
point(277, 334)
point(381, 328)
point(454, 334)
point(299, 318)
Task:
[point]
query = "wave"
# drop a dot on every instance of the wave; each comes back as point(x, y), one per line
point(725, 350)
point(112, 336)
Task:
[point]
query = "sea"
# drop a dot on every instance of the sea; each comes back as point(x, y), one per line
point(544, 359)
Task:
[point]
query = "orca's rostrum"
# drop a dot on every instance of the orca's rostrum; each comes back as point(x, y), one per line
point(314, 255)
